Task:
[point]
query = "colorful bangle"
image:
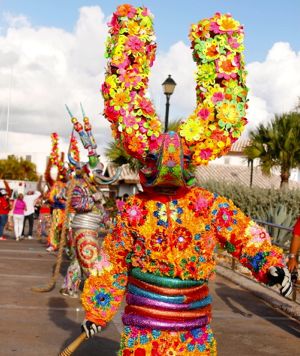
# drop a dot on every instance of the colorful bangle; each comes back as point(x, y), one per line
point(163, 298)
point(150, 323)
point(199, 290)
point(164, 281)
point(168, 314)
point(133, 299)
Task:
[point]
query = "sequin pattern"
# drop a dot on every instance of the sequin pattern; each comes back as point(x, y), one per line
point(175, 236)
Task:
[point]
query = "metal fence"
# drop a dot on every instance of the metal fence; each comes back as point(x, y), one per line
point(234, 262)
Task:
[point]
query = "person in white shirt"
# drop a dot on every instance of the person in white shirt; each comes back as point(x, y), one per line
point(29, 200)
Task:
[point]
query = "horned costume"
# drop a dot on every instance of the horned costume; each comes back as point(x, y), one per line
point(160, 253)
point(87, 203)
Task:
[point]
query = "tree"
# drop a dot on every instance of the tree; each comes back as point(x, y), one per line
point(117, 154)
point(18, 169)
point(277, 145)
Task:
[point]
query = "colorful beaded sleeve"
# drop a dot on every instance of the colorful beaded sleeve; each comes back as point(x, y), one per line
point(103, 291)
point(244, 239)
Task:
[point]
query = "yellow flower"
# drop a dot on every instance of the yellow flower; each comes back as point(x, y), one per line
point(121, 98)
point(111, 80)
point(191, 130)
point(227, 23)
point(133, 28)
point(228, 113)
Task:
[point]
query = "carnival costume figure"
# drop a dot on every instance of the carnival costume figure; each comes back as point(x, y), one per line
point(87, 202)
point(160, 254)
point(56, 178)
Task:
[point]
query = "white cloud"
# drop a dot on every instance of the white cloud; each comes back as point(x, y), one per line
point(48, 67)
point(274, 84)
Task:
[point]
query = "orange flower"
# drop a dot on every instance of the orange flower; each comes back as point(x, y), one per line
point(121, 98)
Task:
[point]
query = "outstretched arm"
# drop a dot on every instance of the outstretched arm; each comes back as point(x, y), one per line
point(245, 240)
point(7, 188)
point(103, 291)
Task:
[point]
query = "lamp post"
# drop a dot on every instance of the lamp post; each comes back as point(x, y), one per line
point(169, 86)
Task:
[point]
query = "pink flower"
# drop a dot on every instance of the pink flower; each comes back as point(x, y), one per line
point(129, 120)
point(215, 27)
point(114, 24)
point(134, 43)
point(105, 88)
point(233, 42)
point(204, 113)
point(205, 154)
point(201, 203)
point(217, 97)
point(146, 106)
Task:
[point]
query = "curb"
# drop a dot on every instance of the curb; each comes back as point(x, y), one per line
point(265, 293)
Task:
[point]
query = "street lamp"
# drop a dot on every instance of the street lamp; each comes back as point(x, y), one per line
point(169, 86)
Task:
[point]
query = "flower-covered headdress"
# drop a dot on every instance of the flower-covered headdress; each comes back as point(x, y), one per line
point(93, 166)
point(219, 117)
point(56, 161)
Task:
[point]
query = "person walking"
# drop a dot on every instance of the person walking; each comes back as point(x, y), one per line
point(29, 200)
point(18, 215)
point(4, 210)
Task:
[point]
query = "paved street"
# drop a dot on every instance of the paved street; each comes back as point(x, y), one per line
point(44, 323)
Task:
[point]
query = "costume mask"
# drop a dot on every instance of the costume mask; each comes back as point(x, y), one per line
point(214, 125)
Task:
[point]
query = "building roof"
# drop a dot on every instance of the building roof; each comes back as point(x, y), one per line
point(127, 175)
point(241, 175)
point(239, 145)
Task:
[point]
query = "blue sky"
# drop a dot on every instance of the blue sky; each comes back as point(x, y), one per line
point(265, 21)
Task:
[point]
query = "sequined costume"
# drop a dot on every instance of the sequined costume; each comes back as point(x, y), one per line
point(89, 215)
point(85, 225)
point(160, 254)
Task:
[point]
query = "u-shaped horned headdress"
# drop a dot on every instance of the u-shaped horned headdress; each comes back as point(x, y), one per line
point(56, 160)
point(219, 116)
point(93, 165)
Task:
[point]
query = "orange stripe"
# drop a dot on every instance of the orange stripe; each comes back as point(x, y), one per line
point(200, 291)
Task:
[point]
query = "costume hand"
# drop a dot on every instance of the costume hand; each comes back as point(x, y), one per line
point(90, 328)
point(282, 276)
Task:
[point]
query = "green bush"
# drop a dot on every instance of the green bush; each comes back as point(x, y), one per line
point(259, 203)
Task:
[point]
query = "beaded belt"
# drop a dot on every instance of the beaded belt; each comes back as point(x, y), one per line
point(165, 303)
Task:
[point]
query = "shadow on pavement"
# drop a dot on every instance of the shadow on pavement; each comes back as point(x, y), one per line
point(246, 304)
point(92, 347)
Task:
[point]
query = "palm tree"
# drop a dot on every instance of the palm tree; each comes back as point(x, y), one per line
point(116, 153)
point(277, 145)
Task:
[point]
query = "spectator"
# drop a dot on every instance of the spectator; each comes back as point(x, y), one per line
point(30, 199)
point(44, 220)
point(119, 203)
point(125, 197)
point(294, 248)
point(4, 210)
point(18, 215)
